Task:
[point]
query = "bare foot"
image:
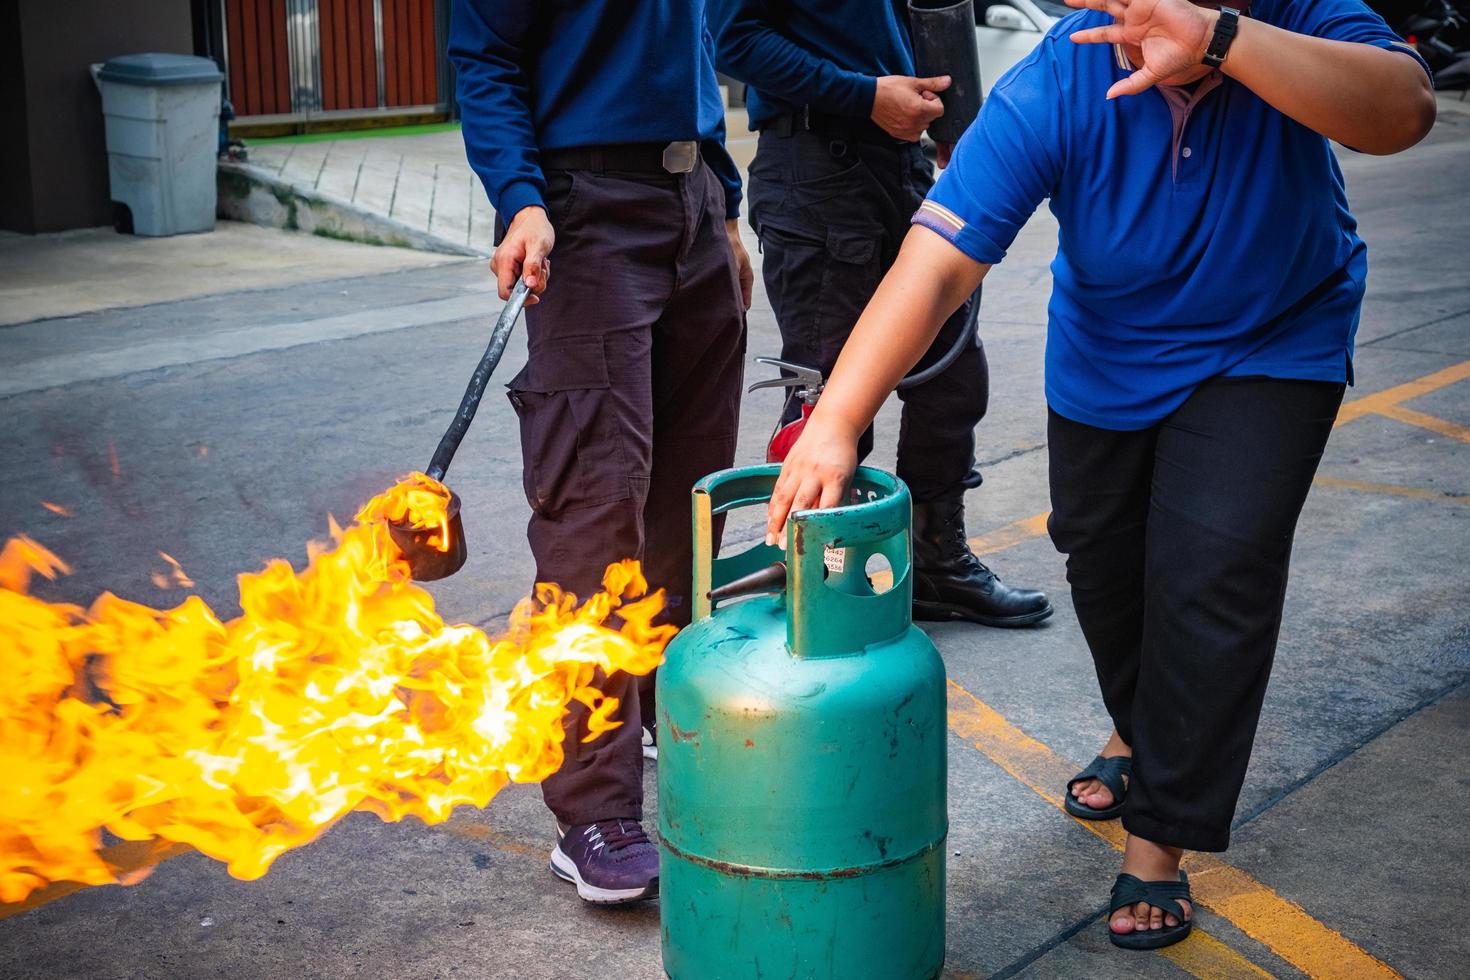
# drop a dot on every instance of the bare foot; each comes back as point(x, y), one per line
point(1091, 792)
point(1148, 861)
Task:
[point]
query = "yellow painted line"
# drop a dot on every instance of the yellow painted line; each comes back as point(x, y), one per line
point(1011, 534)
point(1281, 924)
point(1209, 959)
point(1391, 397)
point(1434, 424)
point(1258, 911)
point(1418, 493)
point(132, 861)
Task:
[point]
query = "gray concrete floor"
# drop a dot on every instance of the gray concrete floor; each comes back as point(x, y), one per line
point(53, 277)
point(421, 179)
point(240, 420)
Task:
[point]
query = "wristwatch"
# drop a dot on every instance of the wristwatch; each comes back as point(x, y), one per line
point(1225, 29)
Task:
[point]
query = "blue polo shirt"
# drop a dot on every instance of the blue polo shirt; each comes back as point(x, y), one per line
point(1229, 252)
point(540, 75)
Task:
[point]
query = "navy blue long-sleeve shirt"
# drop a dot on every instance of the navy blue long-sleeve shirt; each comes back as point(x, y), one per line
point(827, 54)
point(541, 74)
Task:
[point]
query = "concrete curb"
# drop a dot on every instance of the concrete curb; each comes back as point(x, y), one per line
point(255, 195)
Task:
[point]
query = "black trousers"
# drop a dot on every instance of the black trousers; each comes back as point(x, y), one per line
point(1178, 539)
point(630, 394)
point(831, 215)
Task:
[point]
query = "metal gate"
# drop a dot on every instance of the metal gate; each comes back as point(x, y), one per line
point(302, 59)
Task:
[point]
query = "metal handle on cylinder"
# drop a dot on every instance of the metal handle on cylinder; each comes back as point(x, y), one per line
point(833, 608)
point(830, 612)
point(713, 497)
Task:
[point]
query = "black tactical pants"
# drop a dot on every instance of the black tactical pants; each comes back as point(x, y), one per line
point(831, 215)
point(631, 393)
point(1178, 539)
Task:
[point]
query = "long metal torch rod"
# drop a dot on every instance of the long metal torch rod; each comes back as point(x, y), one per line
point(470, 403)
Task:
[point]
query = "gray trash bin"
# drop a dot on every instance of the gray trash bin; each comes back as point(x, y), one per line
point(162, 115)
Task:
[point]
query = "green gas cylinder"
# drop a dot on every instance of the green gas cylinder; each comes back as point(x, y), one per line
point(801, 770)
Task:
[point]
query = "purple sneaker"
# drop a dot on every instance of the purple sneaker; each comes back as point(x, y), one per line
point(611, 861)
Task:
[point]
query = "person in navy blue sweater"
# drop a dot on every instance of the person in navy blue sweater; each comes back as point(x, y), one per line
point(1205, 295)
point(837, 172)
point(597, 129)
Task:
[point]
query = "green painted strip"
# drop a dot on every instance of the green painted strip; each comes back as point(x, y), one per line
point(357, 134)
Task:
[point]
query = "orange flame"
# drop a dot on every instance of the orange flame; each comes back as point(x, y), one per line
point(418, 501)
point(58, 509)
point(338, 688)
point(176, 575)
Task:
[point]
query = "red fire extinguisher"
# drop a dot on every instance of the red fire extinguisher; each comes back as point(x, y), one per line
point(804, 384)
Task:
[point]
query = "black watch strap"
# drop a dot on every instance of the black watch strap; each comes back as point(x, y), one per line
point(1225, 29)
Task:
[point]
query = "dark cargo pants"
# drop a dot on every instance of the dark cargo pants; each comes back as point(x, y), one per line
point(1178, 541)
point(831, 215)
point(631, 393)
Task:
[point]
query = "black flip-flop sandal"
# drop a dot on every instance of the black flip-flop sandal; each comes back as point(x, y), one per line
point(1164, 895)
point(1110, 773)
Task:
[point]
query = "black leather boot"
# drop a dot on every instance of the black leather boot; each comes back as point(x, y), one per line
point(951, 583)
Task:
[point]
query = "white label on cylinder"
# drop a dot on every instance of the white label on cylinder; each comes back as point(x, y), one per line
point(835, 559)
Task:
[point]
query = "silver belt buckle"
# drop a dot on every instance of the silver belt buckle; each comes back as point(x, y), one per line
point(679, 157)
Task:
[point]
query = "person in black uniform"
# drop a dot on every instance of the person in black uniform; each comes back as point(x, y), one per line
point(838, 173)
point(598, 131)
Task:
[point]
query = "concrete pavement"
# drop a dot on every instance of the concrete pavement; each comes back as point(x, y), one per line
point(421, 181)
point(223, 432)
point(76, 272)
point(414, 188)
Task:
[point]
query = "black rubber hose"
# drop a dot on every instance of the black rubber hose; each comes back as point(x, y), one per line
point(470, 403)
point(944, 44)
point(967, 336)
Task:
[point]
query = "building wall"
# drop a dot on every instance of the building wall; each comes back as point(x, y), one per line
point(16, 211)
point(59, 177)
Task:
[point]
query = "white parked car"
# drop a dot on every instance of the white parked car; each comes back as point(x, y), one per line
point(1008, 29)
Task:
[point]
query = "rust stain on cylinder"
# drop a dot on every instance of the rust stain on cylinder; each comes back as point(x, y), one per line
point(680, 735)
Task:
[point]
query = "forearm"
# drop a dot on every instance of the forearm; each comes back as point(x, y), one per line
point(486, 45)
point(928, 282)
point(749, 48)
point(1362, 96)
point(719, 161)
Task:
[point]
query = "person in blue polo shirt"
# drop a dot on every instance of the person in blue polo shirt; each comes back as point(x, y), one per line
point(598, 131)
point(1206, 290)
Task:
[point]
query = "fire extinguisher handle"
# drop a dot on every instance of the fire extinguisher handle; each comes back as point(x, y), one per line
point(470, 403)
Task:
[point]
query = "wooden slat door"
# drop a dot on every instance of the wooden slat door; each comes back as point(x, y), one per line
point(260, 80)
point(409, 53)
point(349, 54)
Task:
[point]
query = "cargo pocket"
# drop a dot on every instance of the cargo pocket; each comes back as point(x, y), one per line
point(571, 443)
point(792, 268)
point(850, 274)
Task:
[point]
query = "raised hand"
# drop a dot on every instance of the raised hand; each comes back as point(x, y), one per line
point(1173, 35)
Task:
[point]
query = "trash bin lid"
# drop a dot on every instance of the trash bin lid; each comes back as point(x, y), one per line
point(158, 69)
